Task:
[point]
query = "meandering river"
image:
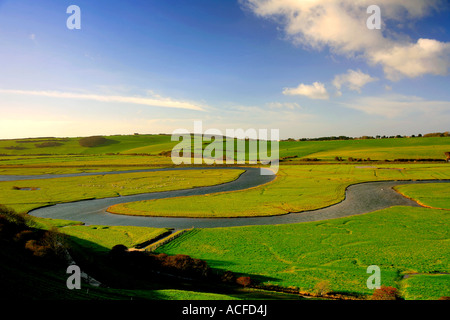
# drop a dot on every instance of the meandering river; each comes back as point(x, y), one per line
point(360, 198)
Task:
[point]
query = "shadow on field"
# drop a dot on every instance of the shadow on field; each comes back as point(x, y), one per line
point(108, 142)
point(136, 270)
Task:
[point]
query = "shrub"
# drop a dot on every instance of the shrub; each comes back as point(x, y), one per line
point(93, 141)
point(228, 276)
point(322, 288)
point(385, 293)
point(48, 144)
point(244, 281)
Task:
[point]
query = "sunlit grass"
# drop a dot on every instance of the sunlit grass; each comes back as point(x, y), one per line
point(297, 188)
point(58, 190)
point(400, 240)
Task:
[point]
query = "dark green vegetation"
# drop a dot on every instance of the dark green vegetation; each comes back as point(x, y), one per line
point(34, 263)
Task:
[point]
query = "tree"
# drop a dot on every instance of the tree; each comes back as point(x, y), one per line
point(244, 281)
point(385, 293)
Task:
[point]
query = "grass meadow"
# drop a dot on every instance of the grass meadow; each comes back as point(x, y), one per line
point(433, 195)
point(57, 190)
point(400, 240)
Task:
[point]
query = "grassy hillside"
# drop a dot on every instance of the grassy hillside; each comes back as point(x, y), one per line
point(375, 149)
point(114, 144)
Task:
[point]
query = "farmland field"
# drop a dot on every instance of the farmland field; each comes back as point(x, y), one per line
point(57, 190)
point(430, 195)
point(400, 240)
point(414, 254)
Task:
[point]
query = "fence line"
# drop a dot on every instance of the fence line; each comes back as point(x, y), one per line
point(166, 240)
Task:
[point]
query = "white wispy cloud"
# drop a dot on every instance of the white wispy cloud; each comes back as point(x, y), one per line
point(399, 106)
point(315, 91)
point(341, 26)
point(154, 101)
point(282, 105)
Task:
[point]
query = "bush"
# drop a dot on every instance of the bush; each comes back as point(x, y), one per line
point(244, 281)
point(385, 293)
point(48, 144)
point(93, 141)
point(228, 276)
point(322, 288)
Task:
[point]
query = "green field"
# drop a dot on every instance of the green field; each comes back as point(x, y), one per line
point(375, 149)
point(115, 144)
point(410, 245)
point(400, 240)
point(297, 188)
point(430, 195)
point(57, 190)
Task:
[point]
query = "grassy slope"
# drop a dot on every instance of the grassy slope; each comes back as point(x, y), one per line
point(298, 188)
point(399, 240)
point(23, 278)
point(115, 144)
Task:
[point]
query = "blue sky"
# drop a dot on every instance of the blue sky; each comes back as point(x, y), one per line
point(307, 68)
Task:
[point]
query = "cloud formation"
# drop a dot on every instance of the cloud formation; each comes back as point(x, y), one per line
point(341, 26)
point(353, 80)
point(399, 106)
point(315, 91)
point(155, 101)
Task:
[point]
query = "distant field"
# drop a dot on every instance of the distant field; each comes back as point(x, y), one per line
point(297, 188)
point(431, 195)
point(114, 144)
point(375, 149)
point(57, 190)
point(400, 240)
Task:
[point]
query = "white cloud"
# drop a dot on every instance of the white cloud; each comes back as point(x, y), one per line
point(427, 56)
point(282, 105)
point(353, 80)
point(155, 101)
point(341, 26)
point(399, 106)
point(315, 91)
